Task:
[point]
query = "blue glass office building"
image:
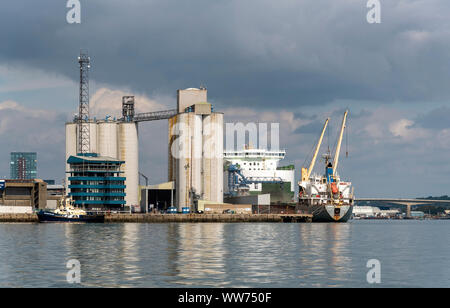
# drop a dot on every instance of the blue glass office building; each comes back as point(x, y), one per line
point(23, 165)
point(95, 182)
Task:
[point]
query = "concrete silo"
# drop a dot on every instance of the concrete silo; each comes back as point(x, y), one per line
point(107, 139)
point(72, 142)
point(128, 151)
point(71, 147)
point(93, 137)
point(171, 172)
point(185, 156)
point(196, 150)
point(213, 157)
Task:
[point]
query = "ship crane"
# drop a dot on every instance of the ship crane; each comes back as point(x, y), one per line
point(306, 173)
point(338, 148)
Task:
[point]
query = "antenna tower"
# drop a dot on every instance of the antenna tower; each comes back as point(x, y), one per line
point(83, 112)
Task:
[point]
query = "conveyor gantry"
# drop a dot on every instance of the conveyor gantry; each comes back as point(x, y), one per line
point(155, 115)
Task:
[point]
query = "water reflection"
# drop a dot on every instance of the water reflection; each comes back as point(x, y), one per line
point(224, 255)
point(200, 254)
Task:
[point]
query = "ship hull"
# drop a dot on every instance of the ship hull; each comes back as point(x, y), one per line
point(45, 216)
point(329, 213)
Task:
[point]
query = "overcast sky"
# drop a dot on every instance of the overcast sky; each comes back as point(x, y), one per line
point(292, 62)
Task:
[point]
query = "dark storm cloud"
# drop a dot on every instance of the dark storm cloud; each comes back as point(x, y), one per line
point(436, 119)
point(258, 53)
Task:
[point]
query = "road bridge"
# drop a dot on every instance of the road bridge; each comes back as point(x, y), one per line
point(408, 202)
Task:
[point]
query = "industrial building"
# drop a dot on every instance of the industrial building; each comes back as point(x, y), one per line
point(16, 195)
point(23, 165)
point(95, 182)
point(196, 150)
point(109, 138)
point(25, 196)
point(55, 193)
point(157, 197)
point(373, 211)
point(114, 139)
point(195, 146)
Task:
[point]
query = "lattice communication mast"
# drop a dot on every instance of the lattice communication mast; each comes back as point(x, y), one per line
point(83, 112)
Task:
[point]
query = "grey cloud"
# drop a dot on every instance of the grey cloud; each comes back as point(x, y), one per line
point(26, 130)
point(264, 53)
point(42, 131)
point(289, 55)
point(436, 119)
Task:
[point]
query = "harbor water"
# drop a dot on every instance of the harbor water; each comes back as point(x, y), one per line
point(411, 254)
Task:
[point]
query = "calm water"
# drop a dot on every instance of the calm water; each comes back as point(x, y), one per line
point(412, 254)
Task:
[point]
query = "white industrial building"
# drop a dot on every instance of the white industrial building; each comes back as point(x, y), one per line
point(195, 147)
point(373, 211)
point(196, 150)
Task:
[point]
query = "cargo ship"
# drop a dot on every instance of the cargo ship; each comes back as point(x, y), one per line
point(260, 173)
point(326, 197)
point(68, 213)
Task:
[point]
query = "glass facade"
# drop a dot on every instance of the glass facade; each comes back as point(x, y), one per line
point(23, 165)
point(95, 182)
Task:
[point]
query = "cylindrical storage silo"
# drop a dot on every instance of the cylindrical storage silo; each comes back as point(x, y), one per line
point(171, 148)
point(180, 152)
point(196, 154)
point(186, 152)
point(93, 137)
point(129, 153)
point(213, 157)
point(71, 147)
point(107, 139)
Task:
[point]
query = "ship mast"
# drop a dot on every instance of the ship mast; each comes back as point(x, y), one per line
point(338, 148)
point(319, 143)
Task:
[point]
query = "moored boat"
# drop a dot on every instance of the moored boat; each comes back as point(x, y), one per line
point(67, 213)
point(326, 197)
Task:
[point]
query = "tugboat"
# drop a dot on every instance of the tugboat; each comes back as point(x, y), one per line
point(68, 213)
point(326, 197)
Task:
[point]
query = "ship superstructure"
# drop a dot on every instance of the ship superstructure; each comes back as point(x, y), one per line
point(326, 196)
point(264, 175)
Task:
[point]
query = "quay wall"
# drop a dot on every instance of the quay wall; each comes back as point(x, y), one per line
point(168, 218)
point(164, 218)
point(22, 217)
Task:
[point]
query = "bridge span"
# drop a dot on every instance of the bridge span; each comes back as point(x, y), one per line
point(408, 202)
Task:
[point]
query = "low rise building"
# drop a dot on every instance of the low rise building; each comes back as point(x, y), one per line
point(29, 194)
point(55, 193)
point(210, 208)
point(365, 211)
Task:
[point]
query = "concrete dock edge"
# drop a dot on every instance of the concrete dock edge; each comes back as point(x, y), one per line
point(170, 218)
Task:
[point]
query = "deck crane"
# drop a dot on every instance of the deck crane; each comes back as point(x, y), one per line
point(306, 173)
point(338, 148)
